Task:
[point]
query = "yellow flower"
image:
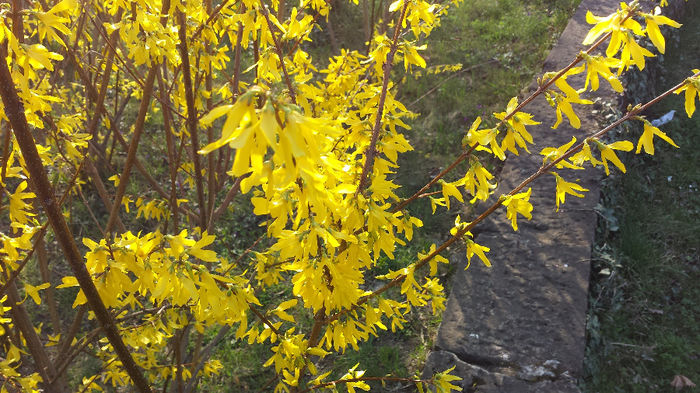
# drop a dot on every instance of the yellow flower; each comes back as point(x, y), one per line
point(20, 211)
point(478, 250)
point(562, 101)
point(449, 189)
point(607, 152)
point(563, 105)
point(517, 123)
point(476, 181)
point(564, 187)
point(632, 52)
point(482, 138)
point(691, 88)
point(551, 154)
point(584, 155)
point(647, 139)
point(612, 23)
point(443, 381)
point(518, 203)
point(33, 291)
point(652, 30)
point(434, 261)
point(599, 65)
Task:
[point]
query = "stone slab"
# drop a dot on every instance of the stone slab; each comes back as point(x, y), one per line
point(519, 326)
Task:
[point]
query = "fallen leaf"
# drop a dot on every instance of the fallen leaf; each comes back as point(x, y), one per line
point(681, 381)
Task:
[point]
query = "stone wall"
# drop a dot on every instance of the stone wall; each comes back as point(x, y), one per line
point(519, 326)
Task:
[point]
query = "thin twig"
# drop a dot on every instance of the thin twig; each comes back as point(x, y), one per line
point(443, 81)
point(371, 152)
point(191, 117)
point(543, 170)
point(281, 57)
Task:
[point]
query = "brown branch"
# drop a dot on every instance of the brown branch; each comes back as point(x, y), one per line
point(264, 319)
point(91, 213)
point(133, 146)
point(68, 354)
point(23, 322)
point(232, 192)
point(541, 171)
point(204, 355)
point(191, 117)
point(319, 321)
point(439, 176)
point(17, 24)
point(280, 56)
point(225, 158)
point(211, 159)
point(101, 189)
point(67, 339)
point(172, 156)
point(178, 340)
point(371, 151)
point(5, 154)
point(138, 129)
point(15, 112)
point(92, 126)
point(45, 271)
point(240, 257)
point(39, 236)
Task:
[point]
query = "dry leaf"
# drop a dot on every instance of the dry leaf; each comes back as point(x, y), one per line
point(681, 381)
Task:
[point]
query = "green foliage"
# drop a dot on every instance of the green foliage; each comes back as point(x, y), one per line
point(643, 328)
point(501, 46)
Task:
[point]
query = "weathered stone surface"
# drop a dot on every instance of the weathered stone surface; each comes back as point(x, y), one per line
point(439, 361)
point(489, 380)
point(519, 326)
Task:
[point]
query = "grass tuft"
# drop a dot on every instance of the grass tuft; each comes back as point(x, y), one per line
point(643, 327)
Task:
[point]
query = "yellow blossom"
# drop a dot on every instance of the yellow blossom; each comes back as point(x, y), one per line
point(518, 203)
point(564, 187)
point(691, 88)
point(607, 152)
point(646, 141)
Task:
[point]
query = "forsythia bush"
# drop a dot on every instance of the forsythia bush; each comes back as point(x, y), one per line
point(243, 111)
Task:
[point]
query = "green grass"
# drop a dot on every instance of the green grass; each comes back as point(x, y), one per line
point(242, 371)
point(378, 359)
point(501, 45)
point(643, 324)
